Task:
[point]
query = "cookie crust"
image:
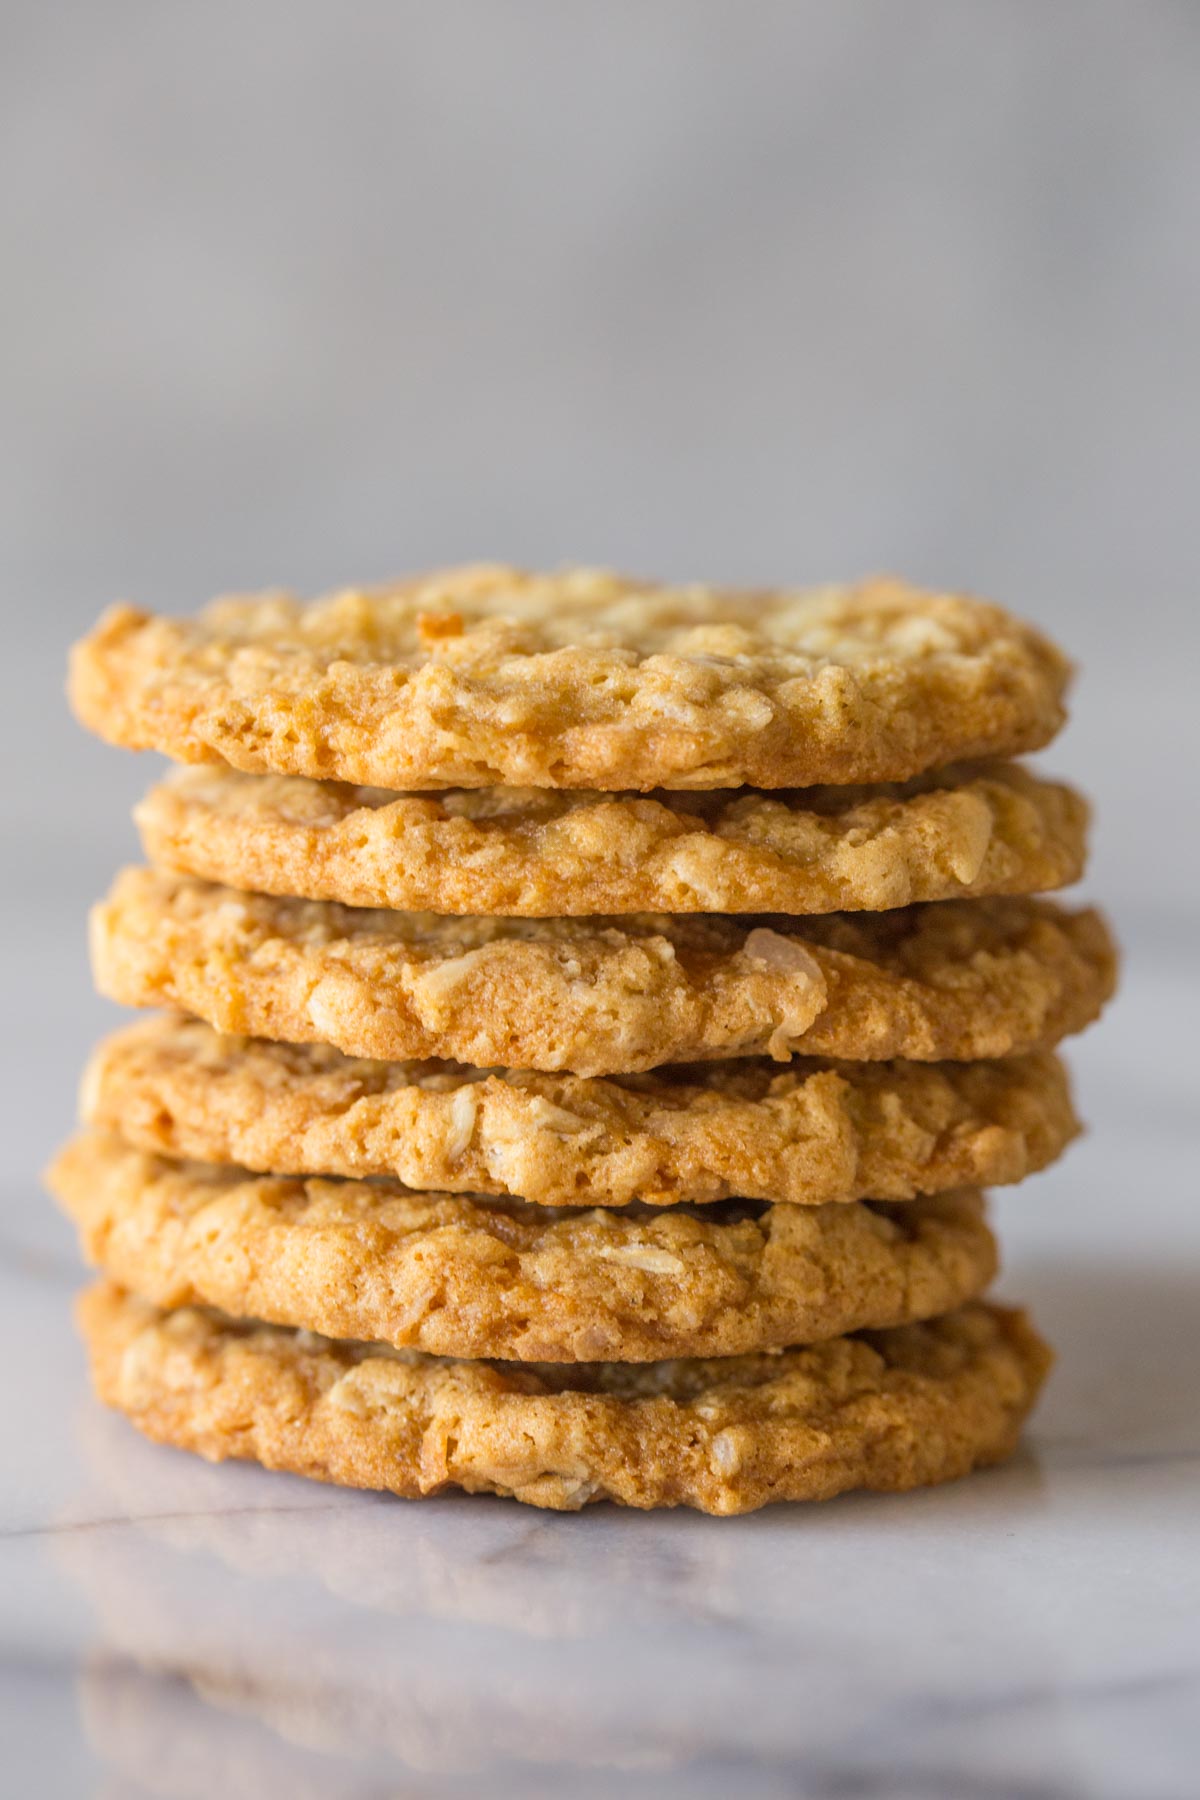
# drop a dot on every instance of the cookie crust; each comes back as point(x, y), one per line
point(889, 1411)
point(487, 676)
point(957, 980)
point(454, 1275)
point(535, 853)
point(811, 1134)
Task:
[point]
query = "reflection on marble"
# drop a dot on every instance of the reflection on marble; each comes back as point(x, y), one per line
point(173, 1629)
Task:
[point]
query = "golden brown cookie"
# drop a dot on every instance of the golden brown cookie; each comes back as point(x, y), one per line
point(811, 1133)
point(887, 1411)
point(532, 852)
point(470, 1276)
point(959, 980)
point(487, 676)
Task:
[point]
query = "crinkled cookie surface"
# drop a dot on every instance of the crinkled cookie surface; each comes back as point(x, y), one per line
point(484, 676)
point(957, 980)
point(535, 852)
point(887, 1411)
point(459, 1275)
point(809, 1133)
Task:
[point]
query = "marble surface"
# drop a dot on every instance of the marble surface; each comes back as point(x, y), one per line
point(179, 1630)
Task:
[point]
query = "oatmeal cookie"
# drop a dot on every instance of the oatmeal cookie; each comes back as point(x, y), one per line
point(458, 1275)
point(887, 1411)
point(811, 1134)
point(539, 853)
point(956, 980)
point(487, 676)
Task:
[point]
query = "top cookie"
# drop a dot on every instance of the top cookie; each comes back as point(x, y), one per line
point(485, 675)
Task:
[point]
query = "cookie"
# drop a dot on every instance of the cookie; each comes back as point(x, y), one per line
point(958, 980)
point(534, 853)
point(810, 1134)
point(887, 1411)
point(469, 1276)
point(486, 676)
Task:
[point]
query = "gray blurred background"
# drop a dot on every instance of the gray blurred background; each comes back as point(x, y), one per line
point(311, 293)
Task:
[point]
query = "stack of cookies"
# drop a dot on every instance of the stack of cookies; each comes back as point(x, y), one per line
point(593, 1010)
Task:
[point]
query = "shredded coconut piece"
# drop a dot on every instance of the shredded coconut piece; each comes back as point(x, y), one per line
point(647, 1257)
point(464, 1110)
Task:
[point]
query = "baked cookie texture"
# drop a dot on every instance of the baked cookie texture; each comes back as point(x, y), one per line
point(887, 1411)
point(810, 1133)
point(468, 1276)
point(487, 676)
point(956, 980)
point(982, 829)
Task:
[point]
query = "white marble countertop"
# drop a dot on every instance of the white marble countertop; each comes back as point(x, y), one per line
point(179, 1630)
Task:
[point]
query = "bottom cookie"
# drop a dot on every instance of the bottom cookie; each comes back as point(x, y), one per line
point(883, 1410)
